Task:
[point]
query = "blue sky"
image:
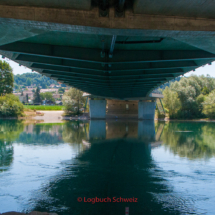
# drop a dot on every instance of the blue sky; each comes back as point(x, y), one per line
point(208, 69)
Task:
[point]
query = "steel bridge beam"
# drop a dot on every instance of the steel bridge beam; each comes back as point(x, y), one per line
point(93, 55)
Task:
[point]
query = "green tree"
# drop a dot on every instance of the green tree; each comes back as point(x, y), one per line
point(200, 101)
point(190, 92)
point(10, 106)
point(171, 102)
point(209, 105)
point(16, 86)
point(47, 96)
point(28, 82)
point(27, 98)
point(73, 100)
point(35, 78)
point(205, 90)
point(37, 98)
point(6, 78)
point(61, 90)
point(43, 85)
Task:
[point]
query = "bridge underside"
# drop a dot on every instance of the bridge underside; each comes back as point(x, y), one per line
point(114, 55)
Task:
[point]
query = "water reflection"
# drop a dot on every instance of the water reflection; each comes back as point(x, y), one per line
point(118, 163)
point(190, 140)
point(9, 132)
point(42, 134)
point(60, 162)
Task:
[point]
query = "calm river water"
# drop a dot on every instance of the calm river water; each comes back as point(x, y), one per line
point(151, 168)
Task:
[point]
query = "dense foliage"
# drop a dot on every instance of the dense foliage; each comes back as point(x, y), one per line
point(28, 79)
point(6, 78)
point(61, 90)
point(209, 105)
point(47, 96)
point(191, 97)
point(73, 100)
point(10, 106)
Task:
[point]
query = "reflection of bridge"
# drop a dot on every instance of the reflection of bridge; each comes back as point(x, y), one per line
point(112, 49)
point(117, 163)
point(140, 131)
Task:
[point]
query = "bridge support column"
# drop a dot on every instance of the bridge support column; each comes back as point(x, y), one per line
point(97, 109)
point(146, 110)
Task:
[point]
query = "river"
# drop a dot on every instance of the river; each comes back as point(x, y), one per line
point(107, 167)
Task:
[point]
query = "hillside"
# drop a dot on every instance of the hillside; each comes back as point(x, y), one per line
point(28, 79)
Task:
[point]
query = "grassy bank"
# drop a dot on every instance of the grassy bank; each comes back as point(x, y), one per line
point(43, 107)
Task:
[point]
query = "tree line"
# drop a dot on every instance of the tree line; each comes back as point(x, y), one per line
point(28, 79)
point(190, 97)
point(9, 104)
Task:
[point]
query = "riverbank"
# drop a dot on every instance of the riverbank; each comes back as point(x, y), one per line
point(50, 116)
point(59, 116)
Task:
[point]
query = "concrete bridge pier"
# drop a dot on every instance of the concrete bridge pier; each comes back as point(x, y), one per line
point(97, 108)
point(146, 109)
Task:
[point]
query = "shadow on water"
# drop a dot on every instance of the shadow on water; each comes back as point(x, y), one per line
point(113, 159)
point(117, 163)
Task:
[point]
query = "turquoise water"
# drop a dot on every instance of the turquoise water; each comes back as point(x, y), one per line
point(151, 168)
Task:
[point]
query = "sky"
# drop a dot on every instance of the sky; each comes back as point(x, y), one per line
point(208, 69)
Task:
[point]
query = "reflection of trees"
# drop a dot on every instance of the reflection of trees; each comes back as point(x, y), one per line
point(74, 132)
point(199, 143)
point(9, 131)
point(43, 134)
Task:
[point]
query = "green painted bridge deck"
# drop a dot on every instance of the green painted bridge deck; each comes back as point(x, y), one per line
point(113, 49)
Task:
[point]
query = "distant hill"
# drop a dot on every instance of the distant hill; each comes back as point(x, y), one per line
point(28, 79)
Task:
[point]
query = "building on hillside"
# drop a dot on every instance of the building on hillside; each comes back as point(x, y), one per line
point(59, 103)
point(48, 102)
point(55, 86)
point(52, 86)
point(31, 88)
point(57, 96)
point(48, 90)
point(30, 94)
point(23, 97)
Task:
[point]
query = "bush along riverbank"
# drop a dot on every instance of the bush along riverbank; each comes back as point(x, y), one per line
point(190, 98)
point(10, 106)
